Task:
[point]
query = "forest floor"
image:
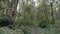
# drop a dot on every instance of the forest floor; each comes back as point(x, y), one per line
point(51, 30)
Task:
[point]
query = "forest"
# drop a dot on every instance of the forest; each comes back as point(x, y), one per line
point(29, 16)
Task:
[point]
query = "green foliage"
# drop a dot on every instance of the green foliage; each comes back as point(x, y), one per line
point(1, 31)
point(6, 30)
point(28, 8)
point(28, 30)
point(30, 19)
point(28, 22)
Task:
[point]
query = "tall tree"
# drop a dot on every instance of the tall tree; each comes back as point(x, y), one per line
point(51, 3)
point(14, 4)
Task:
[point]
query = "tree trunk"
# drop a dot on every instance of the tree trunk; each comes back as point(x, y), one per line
point(14, 4)
point(52, 13)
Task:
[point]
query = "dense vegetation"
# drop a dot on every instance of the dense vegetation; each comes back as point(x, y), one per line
point(29, 17)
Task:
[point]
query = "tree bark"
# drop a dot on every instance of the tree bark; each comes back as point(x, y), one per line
point(14, 4)
point(52, 13)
